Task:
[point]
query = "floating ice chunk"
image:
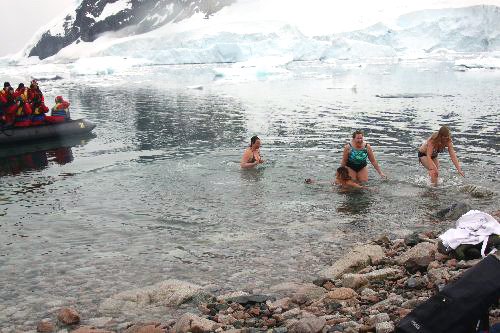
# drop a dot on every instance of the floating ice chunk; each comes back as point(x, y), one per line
point(259, 67)
point(482, 63)
point(104, 65)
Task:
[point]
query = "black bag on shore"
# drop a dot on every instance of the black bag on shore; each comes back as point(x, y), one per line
point(460, 305)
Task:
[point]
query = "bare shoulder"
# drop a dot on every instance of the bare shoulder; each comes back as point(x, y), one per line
point(247, 152)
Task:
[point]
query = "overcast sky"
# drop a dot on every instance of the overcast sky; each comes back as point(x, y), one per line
point(21, 19)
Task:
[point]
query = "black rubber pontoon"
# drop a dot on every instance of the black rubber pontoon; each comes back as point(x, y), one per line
point(40, 132)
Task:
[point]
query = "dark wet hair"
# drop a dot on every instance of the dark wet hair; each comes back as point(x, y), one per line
point(356, 132)
point(253, 140)
point(343, 173)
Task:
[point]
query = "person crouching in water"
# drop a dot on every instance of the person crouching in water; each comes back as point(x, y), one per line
point(429, 150)
point(60, 111)
point(345, 181)
point(342, 179)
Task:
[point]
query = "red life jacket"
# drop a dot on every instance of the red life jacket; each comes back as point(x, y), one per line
point(60, 109)
point(23, 113)
point(6, 100)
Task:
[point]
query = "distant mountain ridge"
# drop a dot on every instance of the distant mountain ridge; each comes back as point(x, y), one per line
point(91, 19)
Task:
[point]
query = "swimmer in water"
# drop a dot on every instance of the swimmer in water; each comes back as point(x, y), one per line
point(345, 181)
point(429, 150)
point(342, 179)
point(251, 156)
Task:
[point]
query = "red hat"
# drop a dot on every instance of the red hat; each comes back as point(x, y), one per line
point(59, 99)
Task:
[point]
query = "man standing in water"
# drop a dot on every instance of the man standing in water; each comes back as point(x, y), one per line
point(251, 155)
point(429, 150)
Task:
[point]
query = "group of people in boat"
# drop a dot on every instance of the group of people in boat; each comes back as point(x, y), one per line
point(353, 169)
point(25, 106)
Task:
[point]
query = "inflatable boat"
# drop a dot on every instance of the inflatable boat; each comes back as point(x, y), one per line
point(40, 132)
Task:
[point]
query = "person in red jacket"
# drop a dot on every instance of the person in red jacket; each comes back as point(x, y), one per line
point(23, 113)
point(21, 91)
point(60, 111)
point(35, 94)
point(7, 104)
point(35, 97)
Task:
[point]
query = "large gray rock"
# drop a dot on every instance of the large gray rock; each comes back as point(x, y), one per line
point(476, 191)
point(308, 325)
point(454, 211)
point(384, 274)
point(225, 297)
point(299, 292)
point(384, 327)
point(378, 318)
point(418, 257)
point(192, 323)
point(45, 327)
point(68, 316)
point(295, 312)
point(356, 281)
point(357, 259)
point(439, 275)
point(342, 294)
point(250, 299)
point(166, 293)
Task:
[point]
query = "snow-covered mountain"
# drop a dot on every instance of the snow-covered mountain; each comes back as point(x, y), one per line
point(92, 18)
point(213, 31)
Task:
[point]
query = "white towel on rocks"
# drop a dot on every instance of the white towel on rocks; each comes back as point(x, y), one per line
point(473, 227)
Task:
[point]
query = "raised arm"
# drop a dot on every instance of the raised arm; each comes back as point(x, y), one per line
point(454, 158)
point(371, 157)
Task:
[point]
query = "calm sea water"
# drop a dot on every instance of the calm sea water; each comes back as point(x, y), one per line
point(157, 192)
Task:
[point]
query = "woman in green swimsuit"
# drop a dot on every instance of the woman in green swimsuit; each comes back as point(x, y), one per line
point(354, 158)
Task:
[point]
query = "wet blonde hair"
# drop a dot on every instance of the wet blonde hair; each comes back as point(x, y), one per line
point(444, 132)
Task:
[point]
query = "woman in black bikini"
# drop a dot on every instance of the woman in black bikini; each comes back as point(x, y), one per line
point(251, 155)
point(432, 147)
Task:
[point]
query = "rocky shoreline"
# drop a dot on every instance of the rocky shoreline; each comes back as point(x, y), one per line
point(370, 289)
